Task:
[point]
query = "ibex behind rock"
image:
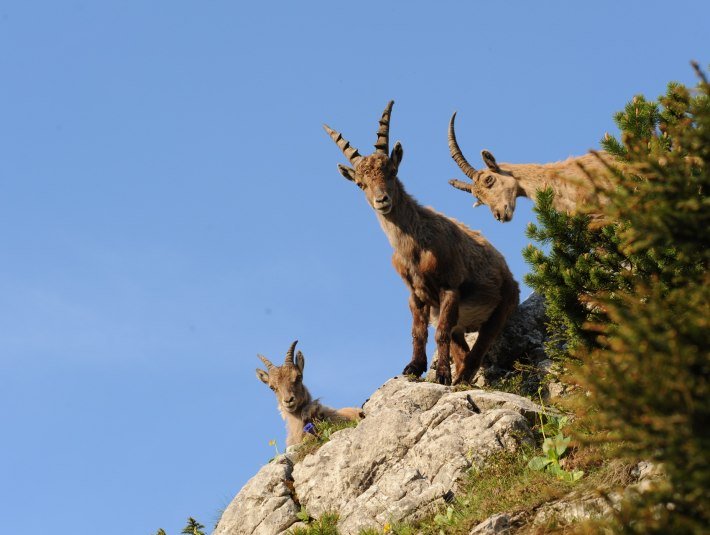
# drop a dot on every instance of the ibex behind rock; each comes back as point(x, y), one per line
point(457, 280)
point(499, 185)
point(296, 405)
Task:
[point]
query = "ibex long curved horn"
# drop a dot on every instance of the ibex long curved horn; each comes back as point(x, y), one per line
point(350, 152)
point(382, 145)
point(456, 153)
point(267, 362)
point(289, 354)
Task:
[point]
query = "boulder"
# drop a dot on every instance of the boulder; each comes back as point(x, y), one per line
point(265, 505)
point(400, 463)
point(406, 457)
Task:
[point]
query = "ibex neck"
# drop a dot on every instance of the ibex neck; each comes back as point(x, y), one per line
point(404, 218)
point(307, 399)
point(531, 178)
point(567, 179)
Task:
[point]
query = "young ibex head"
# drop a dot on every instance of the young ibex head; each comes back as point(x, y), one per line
point(286, 381)
point(493, 186)
point(374, 174)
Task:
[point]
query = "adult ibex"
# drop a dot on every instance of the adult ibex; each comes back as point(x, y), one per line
point(500, 184)
point(457, 280)
point(296, 405)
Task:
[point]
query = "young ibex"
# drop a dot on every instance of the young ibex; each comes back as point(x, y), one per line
point(457, 280)
point(500, 184)
point(297, 406)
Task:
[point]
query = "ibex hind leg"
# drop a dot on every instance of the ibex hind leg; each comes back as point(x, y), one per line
point(448, 318)
point(489, 331)
point(459, 350)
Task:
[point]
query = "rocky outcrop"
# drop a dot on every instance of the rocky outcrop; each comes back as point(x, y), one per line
point(403, 460)
point(265, 505)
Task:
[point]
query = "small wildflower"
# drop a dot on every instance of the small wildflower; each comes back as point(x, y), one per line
point(387, 528)
point(309, 428)
point(272, 442)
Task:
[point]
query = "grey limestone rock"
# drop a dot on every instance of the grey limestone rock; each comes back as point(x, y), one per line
point(265, 505)
point(495, 525)
point(417, 440)
point(398, 464)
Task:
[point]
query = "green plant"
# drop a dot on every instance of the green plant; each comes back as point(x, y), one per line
point(445, 519)
point(272, 442)
point(303, 515)
point(322, 433)
point(631, 302)
point(325, 525)
point(193, 527)
point(524, 380)
point(555, 445)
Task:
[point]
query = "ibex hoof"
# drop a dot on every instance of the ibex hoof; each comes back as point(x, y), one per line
point(413, 369)
point(462, 380)
point(443, 379)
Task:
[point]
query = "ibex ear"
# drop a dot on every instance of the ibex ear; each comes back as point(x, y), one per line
point(262, 376)
point(490, 161)
point(347, 172)
point(396, 156)
point(463, 186)
point(300, 361)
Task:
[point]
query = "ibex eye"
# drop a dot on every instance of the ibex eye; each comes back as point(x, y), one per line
point(361, 185)
point(489, 181)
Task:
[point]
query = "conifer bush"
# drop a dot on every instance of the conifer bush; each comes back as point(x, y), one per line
point(630, 301)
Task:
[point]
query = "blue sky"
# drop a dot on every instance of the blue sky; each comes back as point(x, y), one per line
point(170, 206)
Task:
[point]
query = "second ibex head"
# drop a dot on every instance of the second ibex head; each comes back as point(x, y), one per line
point(492, 186)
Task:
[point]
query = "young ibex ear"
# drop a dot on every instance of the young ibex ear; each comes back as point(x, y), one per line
point(300, 361)
point(347, 172)
point(490, 161)
point(397, 153)
point(262, 376)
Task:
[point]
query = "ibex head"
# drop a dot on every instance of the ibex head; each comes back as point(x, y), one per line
point(374, 174)
point(493, 186)
point(287, 380)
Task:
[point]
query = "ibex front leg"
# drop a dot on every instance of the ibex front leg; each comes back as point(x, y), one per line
point(448, 317)
point(420, 326)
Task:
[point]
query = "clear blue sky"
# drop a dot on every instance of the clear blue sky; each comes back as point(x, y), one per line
point(170, 206)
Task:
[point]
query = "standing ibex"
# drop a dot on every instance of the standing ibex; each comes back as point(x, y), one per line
point(500, 184)
point(297, 406)
point(457, 280)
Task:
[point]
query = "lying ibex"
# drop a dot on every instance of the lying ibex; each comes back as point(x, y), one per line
point(297, 406)
point(457, 280)
point(500, 184)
